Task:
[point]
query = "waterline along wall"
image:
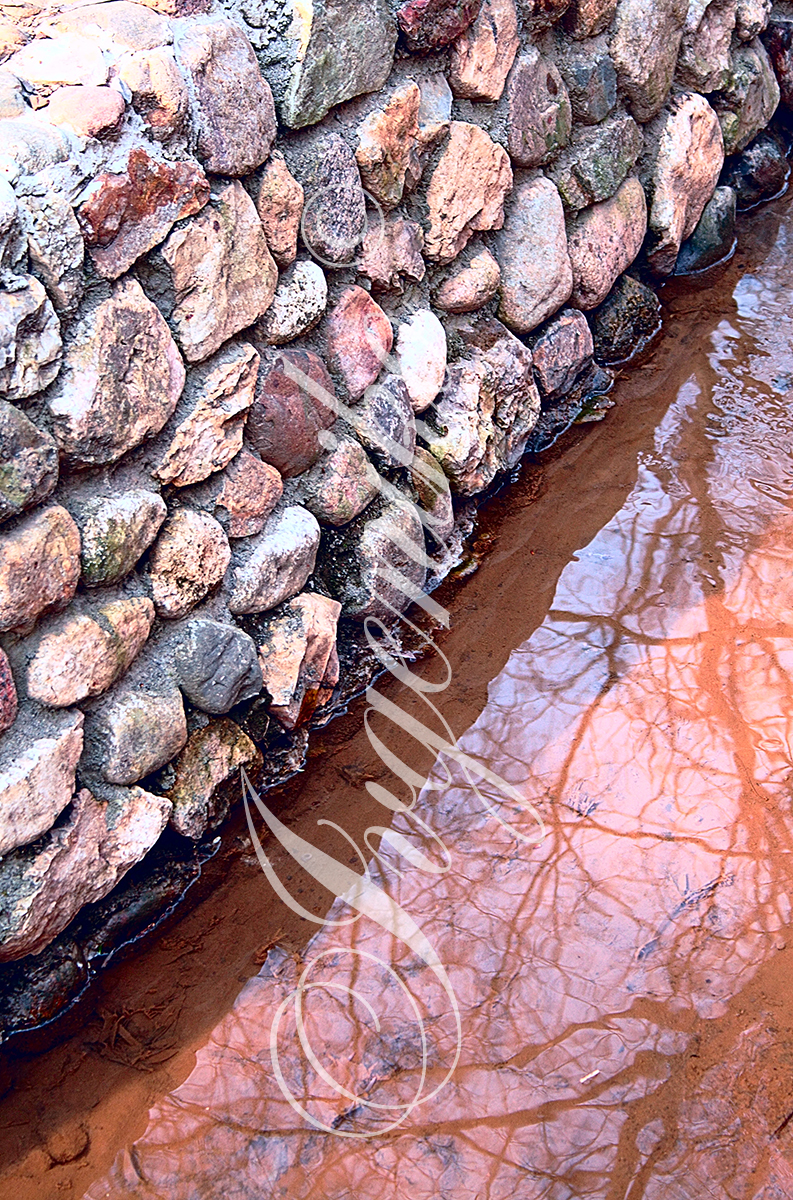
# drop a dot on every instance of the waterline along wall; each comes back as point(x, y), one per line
point(281, 283)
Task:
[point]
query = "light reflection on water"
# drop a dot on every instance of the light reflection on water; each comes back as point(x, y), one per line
point(649, 718)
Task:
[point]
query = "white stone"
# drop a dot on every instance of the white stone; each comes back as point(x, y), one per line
point(276, 563)
point(421, 351)
point(300, 300)
point(69, 59)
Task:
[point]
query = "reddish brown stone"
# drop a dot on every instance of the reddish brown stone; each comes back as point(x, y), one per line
point(286, 417)
point(216, 272)
point(8, 694)
point(128, 214)
point(279, 204)
point(472, 287)
point(391, 251)
point(482, 57)
point(429, 24)
point(466, 191)
point(249, 492)
point(359, 336)
point(387, 142)
point(90, 111)
point(159, 92)
point(299, 661)
point(83, 655)
point(562, 351)
point(39, 567)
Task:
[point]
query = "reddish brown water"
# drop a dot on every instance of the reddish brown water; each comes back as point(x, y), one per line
point(623, 657)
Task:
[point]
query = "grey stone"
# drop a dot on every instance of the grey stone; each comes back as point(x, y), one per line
point(136, 728)
point(38, 760)
point(590, 78)
point(340, 486)
point(644, 46)
point(626, 321)
point(761, 172)
point(435, 111)
point(216, 665)
point(55, 242)
point(536, 276)
point(28, 462)
point(750, 98)
point(705, 51)
point(115, 532)
point(30, 339)
point(319, 56)
point(539, 112)
point(334, 209)
point(30, 145)
point(596, 162)
point(13, 243)
point(384, 421)
point(274, 565)
point(752, 18)
point(122, 377)
point(377, 564)
point(12, 101)
point(232, 105)
point(714, 237)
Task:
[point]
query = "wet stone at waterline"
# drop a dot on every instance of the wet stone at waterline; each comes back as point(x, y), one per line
point(626, 321)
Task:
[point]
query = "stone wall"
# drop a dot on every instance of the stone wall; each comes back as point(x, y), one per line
point(280, 281)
